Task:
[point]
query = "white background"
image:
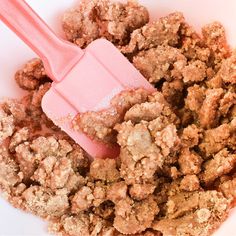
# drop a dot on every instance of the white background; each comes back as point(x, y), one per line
point(13, 53)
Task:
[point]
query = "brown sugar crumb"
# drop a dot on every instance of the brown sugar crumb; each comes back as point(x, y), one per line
point(99, 125)
point(163, 31)
point(44, 203)
point(173, 93)
point(143, 148)
point(16, 109)
point(227, 70)
point(227, 102)
point(117, 191)
point(82, 200)
point(82, 224)
point(175, 206)
point(222, 163)
point(141, 191)
point(104, 169)
point(162, 62)
point(147, 111)
point(195, 98)
point(228, 188)
point(76, 225)
point(190, 162)
point(218, 138)
point(190, 183)
point(29, 154)
point(190, 136)
point(167, 139)
point(31, 75)
point(215, 38)
point(101, 18)
point(175, 175)
point(194, 72)
point(34, 113)
point(6, 125)
point(9, 171)
point(138, 165)
point(202, 214)
point(208, 113)
point(57, 174)
point(134, 217)
point(192, 45)
point(19, 137)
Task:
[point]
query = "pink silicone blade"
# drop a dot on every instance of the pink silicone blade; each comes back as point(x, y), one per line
point(101, 73)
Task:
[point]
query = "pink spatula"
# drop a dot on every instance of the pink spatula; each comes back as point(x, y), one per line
point(83, 80)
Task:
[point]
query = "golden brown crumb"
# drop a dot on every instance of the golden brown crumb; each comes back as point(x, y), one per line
point(190, 162)
point(190, 183)
point(141, 191)
point(190, 136)
point(104, 169)
point(173, 93)
point(194, 72)
point(215, 38)
point(163, 31)
point(19, 137)
point(76, 225)
point(218, 138)
point(82, 200)
point(101, 18)
point(134, 217)
point(195, 98)
point(222, 163)
point(208, 113)
point(16, 109)
point(192, 45)
point(100, 125)
point(226, 72)
point(162, 62)
point(117, 191)
point(6, 125)
point(227, 102)
point(203, 212)
point(9, 171)
point(43, 202)
point(31, 75)
point(228, 188)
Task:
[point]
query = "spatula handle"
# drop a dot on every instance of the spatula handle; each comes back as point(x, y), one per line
point(57, 55)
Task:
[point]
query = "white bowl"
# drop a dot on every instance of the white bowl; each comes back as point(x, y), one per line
point(13, 53)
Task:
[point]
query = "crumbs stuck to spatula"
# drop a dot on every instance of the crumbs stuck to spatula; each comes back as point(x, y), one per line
point(175, 174)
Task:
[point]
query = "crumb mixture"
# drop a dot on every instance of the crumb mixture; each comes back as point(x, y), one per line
point(176, 173)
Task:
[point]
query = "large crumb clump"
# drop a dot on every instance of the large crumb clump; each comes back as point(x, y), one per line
point(94, 19)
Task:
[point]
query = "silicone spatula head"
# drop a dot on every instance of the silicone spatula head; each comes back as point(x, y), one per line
point(99, 75)
point(84, 80)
